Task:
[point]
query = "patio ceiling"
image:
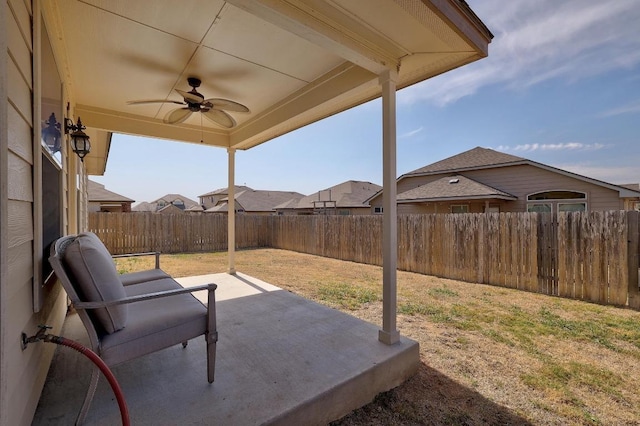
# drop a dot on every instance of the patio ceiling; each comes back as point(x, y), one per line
point(291, 62)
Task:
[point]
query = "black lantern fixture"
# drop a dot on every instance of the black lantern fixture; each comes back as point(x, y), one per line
point(51, 134)
point(79, 140)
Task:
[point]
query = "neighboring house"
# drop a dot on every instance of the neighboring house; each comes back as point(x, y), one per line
point(103, 200)
point(347, 198)
point(252, 201)
point(180, 201)
point(483, 180)
point(211, 199)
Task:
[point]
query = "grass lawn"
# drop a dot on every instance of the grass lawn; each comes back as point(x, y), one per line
point(490, 355)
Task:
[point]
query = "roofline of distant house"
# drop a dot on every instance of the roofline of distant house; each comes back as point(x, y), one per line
point(109, 200)
point(624, 192)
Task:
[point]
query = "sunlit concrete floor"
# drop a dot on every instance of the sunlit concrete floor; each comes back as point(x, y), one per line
point(281, 359)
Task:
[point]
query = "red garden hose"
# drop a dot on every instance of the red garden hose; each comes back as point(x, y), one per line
point(58, 340)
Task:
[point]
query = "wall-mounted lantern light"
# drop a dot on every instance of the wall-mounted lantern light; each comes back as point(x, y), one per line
point(51, 134)
point(79, 140)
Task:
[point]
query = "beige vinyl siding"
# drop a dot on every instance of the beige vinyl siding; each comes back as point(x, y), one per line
point(439, 207)
point(525, 179)
point(22, 372)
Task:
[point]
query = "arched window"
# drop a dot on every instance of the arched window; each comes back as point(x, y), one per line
point(558, 201)
point(557, 195)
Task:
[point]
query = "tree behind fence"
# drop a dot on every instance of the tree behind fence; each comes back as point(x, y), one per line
point(587, 256)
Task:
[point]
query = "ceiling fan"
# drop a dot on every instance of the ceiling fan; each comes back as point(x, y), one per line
point(213, 109)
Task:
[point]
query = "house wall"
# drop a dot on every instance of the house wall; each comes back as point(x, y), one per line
point(520, 181)
point(440, 207)
point(22, 373)
point(523, 180)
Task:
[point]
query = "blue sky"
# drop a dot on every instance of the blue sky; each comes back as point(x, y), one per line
point(561, 86)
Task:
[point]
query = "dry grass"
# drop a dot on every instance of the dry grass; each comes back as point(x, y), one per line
point(489, 355)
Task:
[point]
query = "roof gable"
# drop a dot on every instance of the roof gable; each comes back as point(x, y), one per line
point(225, 191)
point(257, 200)
point(452, 188)
point(171, 198)
point(351, 193)
point(98, 193)
point(474, 158)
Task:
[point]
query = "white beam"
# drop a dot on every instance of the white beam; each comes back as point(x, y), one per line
point(330, 28)
point(119, 122)
point(389, 333)
point(231, 212)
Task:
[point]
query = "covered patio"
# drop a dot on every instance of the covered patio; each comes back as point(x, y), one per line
point(257, 69)
point(282, 359)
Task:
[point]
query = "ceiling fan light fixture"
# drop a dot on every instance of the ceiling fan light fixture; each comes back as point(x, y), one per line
point(213, 109)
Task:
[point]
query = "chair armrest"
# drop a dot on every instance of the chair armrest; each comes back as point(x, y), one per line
point(150, 253)
point(143, 297)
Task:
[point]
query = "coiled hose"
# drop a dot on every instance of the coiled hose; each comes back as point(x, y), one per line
point(93, 357)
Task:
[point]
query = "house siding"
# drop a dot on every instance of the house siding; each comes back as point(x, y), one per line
point(22, 373)
point(525, 179)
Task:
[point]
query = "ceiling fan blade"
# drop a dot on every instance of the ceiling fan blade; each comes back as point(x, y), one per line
point(154, 101)
point(220, 117)
point(177, 115)
point(195, 99)
point(226, 104)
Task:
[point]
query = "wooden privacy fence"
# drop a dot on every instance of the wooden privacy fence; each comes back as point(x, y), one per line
point(586, 256)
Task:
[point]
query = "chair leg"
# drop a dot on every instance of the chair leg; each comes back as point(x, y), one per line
point(212, 333)
point(93, 385)
point(211, 355)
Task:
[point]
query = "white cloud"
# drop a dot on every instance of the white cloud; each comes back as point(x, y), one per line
point(541, 40)
point(411, 133)
point(632, 108)
point(569, 146)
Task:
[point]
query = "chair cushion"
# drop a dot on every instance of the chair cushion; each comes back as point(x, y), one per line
point(156, 323)
point(96, 279)
point(142, 276)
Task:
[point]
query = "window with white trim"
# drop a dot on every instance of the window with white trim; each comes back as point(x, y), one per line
point(559, 200)
point(539, 207)
point(572, 207)
point(460, 208)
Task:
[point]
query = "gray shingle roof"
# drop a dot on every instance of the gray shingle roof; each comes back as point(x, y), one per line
point(170, 198)
point(98, 193)
point(252, 200)
point(475, 158)
point(351, 193)
point(453, 187)
point(224, 190)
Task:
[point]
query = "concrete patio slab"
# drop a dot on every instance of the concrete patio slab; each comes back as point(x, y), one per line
point(281, 360)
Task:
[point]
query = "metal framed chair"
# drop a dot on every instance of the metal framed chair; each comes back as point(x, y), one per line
point(125, 322)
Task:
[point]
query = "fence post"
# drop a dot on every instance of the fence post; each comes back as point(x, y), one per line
point(632, 259)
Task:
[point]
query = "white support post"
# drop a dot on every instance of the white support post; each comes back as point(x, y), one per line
point(389, 333)
point(231, 212)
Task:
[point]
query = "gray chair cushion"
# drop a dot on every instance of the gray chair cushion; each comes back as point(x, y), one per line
point(183, 317)
point(96, 279)
point(142, 276)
